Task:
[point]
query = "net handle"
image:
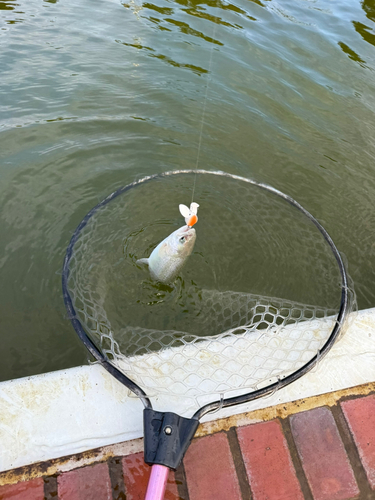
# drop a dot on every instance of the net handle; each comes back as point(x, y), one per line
point(157, 482)
point(250, 396)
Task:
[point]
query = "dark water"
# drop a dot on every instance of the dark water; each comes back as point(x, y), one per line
point(96, 94)
point(252, 247)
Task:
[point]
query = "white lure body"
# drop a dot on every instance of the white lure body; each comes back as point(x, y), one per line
point(190, 214)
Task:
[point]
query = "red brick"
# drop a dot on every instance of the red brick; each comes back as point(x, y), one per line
point(136, 474)
point(360, 415)
point(323, 455)
point(268, 463)
point(85, 484)
point(27, 490)
point(210, 471)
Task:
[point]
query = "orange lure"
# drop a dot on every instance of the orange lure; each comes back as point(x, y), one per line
point(193, 220)
point(190, 214)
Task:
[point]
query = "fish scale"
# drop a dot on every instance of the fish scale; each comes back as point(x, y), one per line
point(167, 259)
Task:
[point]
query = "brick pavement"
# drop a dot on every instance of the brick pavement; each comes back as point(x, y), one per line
point(324, 453)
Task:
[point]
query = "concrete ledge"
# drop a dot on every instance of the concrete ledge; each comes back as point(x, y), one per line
point(135, 447)
point(71, 411)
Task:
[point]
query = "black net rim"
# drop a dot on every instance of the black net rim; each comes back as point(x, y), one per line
point(245, 398)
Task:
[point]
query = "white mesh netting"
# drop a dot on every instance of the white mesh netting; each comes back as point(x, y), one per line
point(218, 328)
point(276, 337)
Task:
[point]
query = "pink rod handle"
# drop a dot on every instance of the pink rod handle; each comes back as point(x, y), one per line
point(157, 482)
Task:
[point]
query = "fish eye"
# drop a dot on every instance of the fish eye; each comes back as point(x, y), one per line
point(182, 239)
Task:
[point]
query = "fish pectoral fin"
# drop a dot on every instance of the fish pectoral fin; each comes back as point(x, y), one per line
point(142, 261)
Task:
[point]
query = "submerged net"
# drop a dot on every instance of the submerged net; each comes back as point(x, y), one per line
point(237, 317)
point(273, 338)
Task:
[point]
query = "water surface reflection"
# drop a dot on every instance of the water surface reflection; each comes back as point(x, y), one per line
point(95, 94)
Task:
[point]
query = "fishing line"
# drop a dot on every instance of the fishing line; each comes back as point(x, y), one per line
point(244, 340)
point(204, 111)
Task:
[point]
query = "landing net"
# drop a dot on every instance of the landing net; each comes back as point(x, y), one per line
point(257, 300)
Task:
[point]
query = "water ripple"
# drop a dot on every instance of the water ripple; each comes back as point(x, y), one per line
point(96, 94)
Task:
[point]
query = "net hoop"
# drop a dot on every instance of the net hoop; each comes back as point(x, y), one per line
point(249, 396)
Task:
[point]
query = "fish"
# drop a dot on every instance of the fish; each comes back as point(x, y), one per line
point(167, 259)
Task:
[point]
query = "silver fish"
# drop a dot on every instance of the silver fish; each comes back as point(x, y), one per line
point(170, 255)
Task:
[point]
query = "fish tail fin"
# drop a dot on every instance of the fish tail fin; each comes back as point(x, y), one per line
point(142, 261)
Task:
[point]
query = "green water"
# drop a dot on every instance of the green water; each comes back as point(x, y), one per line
point(96, 94)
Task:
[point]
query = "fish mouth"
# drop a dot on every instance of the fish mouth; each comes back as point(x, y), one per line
point(188, 232)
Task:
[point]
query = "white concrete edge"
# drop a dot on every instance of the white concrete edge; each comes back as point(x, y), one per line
point(70, 411)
